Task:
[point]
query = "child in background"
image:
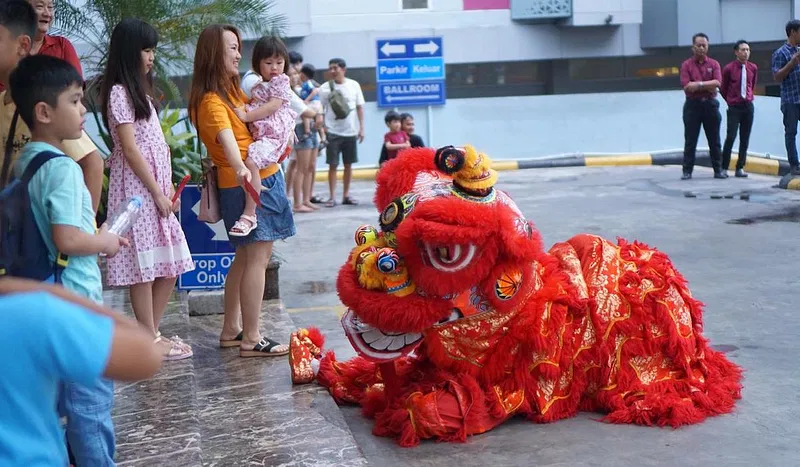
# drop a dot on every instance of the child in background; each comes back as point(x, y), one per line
point(291, 165)
point(48, 93)
point(395, 139)
point(140, 165)
point(272, 122)
point(309, 92)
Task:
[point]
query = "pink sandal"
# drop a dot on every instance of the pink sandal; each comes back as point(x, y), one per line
point(178, 350)
point(243, 226)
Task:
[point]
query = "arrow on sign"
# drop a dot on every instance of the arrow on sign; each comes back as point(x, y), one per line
point(220, 234)
point(389, 49)
point(391, 98)
point(429, 47)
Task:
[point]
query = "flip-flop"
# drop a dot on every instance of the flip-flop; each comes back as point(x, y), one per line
point(316, 200)
point(264, 349)
point(350, 201)
point(235, 342)
point(330, 203)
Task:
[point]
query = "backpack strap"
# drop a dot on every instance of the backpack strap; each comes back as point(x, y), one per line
point(62, 260)
point(36, 163)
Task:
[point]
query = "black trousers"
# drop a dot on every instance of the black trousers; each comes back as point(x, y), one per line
point(697, 113)
point(740, 118)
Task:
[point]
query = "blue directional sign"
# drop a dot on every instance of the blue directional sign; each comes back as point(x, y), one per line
point(410, 72)
point(403, 93)
point(211, 251)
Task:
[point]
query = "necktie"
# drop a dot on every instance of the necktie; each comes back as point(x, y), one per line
point(744, 81)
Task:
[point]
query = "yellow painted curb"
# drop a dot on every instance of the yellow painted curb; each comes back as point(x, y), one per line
point(617, 160)
point(794, 184)
point(759, 165)
point(358, 174)
point(755, 164)
point(505, 165)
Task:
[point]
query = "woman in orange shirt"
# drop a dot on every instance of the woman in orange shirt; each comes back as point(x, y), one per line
point(215, 93)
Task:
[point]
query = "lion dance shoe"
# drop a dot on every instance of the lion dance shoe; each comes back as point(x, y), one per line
point(305, 350)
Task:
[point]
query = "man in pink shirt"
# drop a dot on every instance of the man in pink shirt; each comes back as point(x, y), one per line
point(739, 78)
point(700, 78)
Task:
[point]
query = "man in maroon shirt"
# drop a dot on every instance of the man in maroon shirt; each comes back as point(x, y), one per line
point(700, 78)
point(739, 78)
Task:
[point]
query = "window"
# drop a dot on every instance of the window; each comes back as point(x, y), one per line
point(597, 68)
point(652, 66)
point(415, 4)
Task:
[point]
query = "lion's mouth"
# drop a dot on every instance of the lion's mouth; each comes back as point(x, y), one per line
point(450, 258)
point(374, 344)
point(380, 346)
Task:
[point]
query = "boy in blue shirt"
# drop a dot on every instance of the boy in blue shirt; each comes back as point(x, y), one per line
point(48, 92)
point(78, 341)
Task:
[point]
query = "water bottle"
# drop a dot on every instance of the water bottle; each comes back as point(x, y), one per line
point(123, 220)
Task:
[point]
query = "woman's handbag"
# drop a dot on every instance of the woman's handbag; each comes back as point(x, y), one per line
point(209, 194)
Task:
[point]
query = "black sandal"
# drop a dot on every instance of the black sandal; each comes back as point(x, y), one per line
point(235, 342)
point(264, 349)
point(317, 200)
point(350, 201)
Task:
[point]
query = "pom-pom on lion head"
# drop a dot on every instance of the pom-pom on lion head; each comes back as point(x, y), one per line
point(471, 171)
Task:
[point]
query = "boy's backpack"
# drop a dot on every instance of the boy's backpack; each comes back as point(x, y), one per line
point(338, 102)
point(23, 252)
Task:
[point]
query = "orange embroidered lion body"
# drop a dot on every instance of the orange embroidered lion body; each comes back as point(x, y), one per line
point(462, 320)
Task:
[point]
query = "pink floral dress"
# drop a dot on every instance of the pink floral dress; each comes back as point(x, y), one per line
point(271, 134)
point(158, 246)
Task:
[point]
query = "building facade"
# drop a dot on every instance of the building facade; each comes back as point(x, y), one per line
point(498, 48)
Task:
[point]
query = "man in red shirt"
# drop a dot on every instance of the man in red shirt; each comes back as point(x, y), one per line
point(700, 78)
point(739, 78)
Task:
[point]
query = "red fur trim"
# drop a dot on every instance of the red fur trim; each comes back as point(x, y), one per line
point(316, 336)
point(397, 176)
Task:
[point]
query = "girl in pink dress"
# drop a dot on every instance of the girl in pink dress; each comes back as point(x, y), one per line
point(271, 121)
point(140, 165)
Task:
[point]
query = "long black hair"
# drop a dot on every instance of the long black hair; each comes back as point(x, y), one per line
point(124, 66)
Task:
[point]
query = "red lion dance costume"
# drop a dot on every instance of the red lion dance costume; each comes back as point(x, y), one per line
point(462, 320)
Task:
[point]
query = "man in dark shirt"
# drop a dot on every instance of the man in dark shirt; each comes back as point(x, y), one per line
point(739, 78)
point(700, 78)
point(785, 69)
point(407, 125)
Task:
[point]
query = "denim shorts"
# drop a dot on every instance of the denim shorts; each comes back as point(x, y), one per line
point(275, 220)
point(312, 142)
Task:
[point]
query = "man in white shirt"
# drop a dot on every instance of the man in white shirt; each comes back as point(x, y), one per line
point(343, 130)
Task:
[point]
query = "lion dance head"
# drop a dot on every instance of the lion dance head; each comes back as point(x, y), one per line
point(432, 258)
